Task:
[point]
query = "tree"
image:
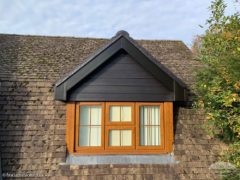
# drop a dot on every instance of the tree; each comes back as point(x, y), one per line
point(196, 46)
point(218, 83)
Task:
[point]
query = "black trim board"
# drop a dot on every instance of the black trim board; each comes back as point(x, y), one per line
point(122, 41)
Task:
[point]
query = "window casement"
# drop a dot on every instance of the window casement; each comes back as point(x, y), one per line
point(119, 127)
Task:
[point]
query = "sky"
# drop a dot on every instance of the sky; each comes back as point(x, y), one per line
point(143, 19)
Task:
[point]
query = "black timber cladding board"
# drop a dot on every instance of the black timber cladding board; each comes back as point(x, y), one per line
point(148, 63)
point(121, 78)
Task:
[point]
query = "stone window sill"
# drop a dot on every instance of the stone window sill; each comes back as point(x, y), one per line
point(120, 159)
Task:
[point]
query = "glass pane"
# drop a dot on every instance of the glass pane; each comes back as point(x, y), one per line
point(143, 136)
point(90, 115)
point(126, 113)
point(84, 115)
point(114, 138)
point(90, 136)
point(155, 115)
point(120, 113)
point(84, 136)
point(120, 138)
point(150, 115)
point(150, 136)
point(96, 114)
point(126, 137)
point(95, 139)
point(115, 113)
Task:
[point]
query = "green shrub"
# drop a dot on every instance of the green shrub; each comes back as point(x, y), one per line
point(218, 82)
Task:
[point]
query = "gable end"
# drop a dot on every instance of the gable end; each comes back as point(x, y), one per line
point(121, 42)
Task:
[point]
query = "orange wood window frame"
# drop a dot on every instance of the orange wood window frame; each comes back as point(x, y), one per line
point(162, 129)
point(85, 149)
point(119, 149)
point(107, 110)
point(166, 126)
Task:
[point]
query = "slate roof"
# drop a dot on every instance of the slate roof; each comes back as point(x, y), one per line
point(51, 58)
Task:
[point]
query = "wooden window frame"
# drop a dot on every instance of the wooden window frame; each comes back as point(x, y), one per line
point(166, 125)
point(162, 129)
point(85, 149)
point(126, 123)
point(119, 149)
point(119, 126)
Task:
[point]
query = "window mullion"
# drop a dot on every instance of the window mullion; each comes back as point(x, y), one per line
point(103, 126)
point(89, 141)
point(148, 129)
point(120, 113)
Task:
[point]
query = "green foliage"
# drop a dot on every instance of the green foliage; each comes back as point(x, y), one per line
point(218, 83)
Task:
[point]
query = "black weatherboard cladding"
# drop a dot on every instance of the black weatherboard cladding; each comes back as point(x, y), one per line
point(121, 78)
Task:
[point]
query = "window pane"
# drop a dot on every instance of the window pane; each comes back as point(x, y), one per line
point(114, 138)
point(84, 136)
point(150, 115)
point(120, 138)
point(126, 137)
point(96, 114)
point(84, 115)
point(150, 136)
point(150, 126)
point(120, 113)
point(115, 113)
point(90, 115)
point(155, 115)
point(95, 136)
point(126, 113)
point(90, 136)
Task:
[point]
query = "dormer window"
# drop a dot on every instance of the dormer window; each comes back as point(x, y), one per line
point(120, 102)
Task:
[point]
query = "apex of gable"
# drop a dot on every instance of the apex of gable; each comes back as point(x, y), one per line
point(122, 33)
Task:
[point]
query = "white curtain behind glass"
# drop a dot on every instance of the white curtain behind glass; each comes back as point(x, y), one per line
point(150, 126)
point(90, 126)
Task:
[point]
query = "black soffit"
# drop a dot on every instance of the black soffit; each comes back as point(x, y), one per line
point(122, 41)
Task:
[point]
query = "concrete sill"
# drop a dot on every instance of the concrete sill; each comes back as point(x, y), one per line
point(121, 159)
